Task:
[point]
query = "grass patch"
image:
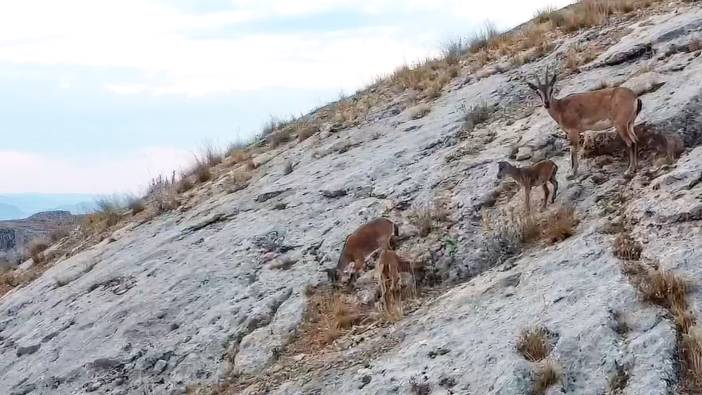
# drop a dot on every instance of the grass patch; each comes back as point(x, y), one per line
point(424, 218)
point(476, 115)
point(534, 344)
point(625, 247)
point(329, 315)
point(419, 111)
point(36, 251)
point(546, 374)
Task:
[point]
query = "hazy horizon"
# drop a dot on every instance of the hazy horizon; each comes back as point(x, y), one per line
point(99, 97)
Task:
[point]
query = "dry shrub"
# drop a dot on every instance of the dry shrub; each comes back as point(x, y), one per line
point(59, 234)
point(483, 37)
point(534, 344)
point(411, 77)
point(419, 111)
point(108, 214)
point(424, 217)
point(625, 247)
point(329, 315)
point(201, 170)
point(184, 184)
point(453, 50)
point(546, 374)
point(576, 56)
point(251, 165)
point(211, 156)
point(306, 130)
point(665, 289)
point(135, 204)
point(476, 115)
point(239, 180)
point(559, 224)
point(691, 348)
point(280, 137)
point(549, 14)
point(15, 278)
point(36, 251)
point(239, 155)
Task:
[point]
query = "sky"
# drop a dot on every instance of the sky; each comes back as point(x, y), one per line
point(100, 96)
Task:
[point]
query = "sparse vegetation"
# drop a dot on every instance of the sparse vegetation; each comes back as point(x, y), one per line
point(425, 217)
point(453, 50)
point(135, 204)
point(625, 247)
point(691, 348)
point(546, 374)
point(36, 251)
point(476, 115)
point(560, 225)
point(329, 314)
point(618, 380)
point(419, 111)
point(534, 344)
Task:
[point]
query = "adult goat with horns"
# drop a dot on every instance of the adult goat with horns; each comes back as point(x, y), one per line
point(596, 110)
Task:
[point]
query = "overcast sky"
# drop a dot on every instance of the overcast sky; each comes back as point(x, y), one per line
point(100, 96)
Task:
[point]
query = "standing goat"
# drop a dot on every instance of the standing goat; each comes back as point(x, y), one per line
point(388, 274)
point(537, 174)
point(596, 110)
point(363, 242)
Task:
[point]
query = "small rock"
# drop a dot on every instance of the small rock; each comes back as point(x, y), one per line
point(334, 193)
point(160, 366)
point(94, 386)
point(523, 153)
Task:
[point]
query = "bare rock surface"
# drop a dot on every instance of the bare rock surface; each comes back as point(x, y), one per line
point(196, 294)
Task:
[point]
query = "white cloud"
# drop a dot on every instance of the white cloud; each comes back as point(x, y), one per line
point(33, 172)
point(160, 42)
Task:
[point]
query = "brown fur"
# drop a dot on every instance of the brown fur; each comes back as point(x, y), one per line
point(388, 270)
point(538, 174)
point(597, 110)
point(363, 242)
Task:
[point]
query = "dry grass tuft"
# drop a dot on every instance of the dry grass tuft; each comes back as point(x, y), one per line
point(691, 348)
point(108, 214)
point(135, 204)
point(546, 374)
point(238, 155)
point(419, 111)
point(477, 115)
point(664, 288)
point(560, 225)
point(329, 315)
point(36, 251)
point(625, 247)
point(424, 217)
point(534, 343)
point(306, 130)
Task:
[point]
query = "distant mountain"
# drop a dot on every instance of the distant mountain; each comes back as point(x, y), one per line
point(8, 211)
point(17, 235)
point(22, 205)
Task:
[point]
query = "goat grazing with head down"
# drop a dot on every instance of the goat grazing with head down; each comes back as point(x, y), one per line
point(540, 173)
point(596, 110)
point(362, 243)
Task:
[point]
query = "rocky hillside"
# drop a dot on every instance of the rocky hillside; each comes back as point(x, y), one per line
point(16, 236)
point(215, 295)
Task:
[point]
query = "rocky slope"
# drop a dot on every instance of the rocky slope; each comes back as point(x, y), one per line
point(193, 294)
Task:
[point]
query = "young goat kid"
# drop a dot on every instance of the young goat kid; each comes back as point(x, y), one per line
point(596, 110)
point(388, 274)
point(532, 176)
point(362, 243)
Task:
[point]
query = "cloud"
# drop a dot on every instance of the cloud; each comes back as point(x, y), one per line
point(32, 172)
point(176, 53)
